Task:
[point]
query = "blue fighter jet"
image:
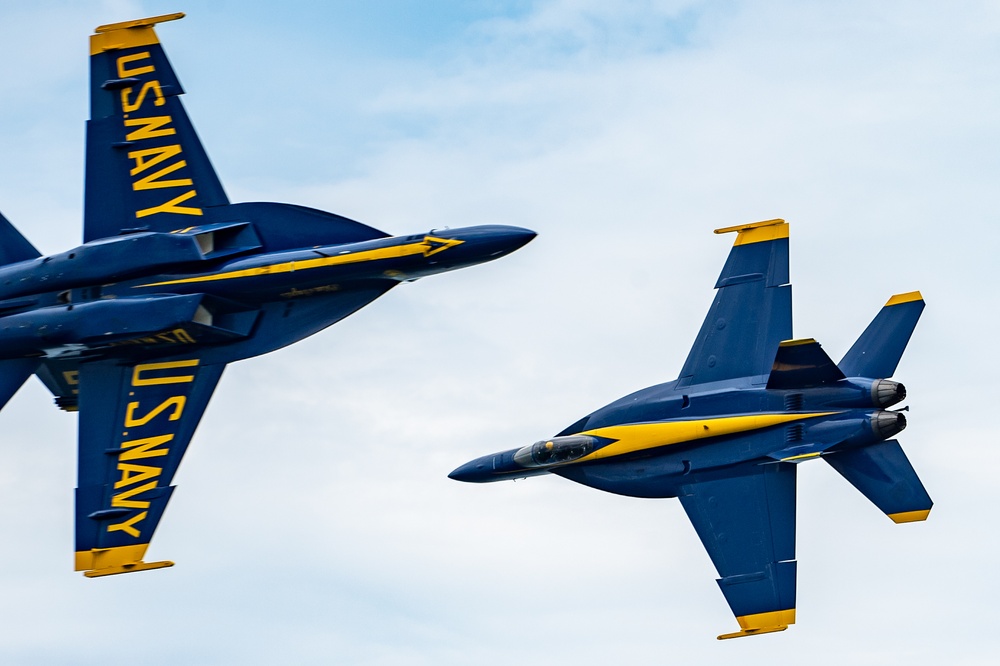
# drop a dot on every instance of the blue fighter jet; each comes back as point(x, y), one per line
point(726, 436)
point(134, 327)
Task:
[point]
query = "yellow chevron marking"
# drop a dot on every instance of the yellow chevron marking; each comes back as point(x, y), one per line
point(428, 246)
point(641, 436)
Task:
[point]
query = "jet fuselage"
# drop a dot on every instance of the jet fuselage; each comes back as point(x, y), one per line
point(647, 443)
point(76, 302)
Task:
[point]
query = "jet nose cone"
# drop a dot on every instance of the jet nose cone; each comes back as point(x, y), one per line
point(500, 240)
point(470, 472)
point(519, 236)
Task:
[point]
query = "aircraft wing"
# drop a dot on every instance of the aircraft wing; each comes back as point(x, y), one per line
point(136, 420)
point(745, 517)
point(145, 167)
point(752, 311)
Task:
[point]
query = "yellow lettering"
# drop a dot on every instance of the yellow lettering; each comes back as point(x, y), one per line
point(122, 499)
point(145, 448)
point(149, 127)
point(150, 182)
point(176, 401)
point(183, 336)
point(154, 155)
point(135, 473)
point(127, 526)
point(135, 57)
point(72, 379)
point(172, 207)
point(139, 380)
point(129, 107)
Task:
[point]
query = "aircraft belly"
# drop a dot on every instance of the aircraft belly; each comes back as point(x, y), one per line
point(660, 472)
point(640, 478)
point(292, 319)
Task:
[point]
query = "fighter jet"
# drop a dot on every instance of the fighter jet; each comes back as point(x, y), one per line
point(134, 327)
point(725, 437)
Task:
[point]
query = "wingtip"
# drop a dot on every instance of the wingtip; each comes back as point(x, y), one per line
point(908, 297)
point(128, 34)
point(127, 568)
point(909, 516)
point(757, 232)
point(751, 632)
point(139, 23)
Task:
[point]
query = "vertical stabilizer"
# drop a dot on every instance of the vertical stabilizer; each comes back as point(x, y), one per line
point(13, 246)
point(877, 352)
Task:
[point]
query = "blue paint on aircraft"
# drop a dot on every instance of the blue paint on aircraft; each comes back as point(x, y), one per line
point(726, 436)
point(134, 327)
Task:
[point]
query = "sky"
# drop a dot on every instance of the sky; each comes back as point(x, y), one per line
point(313, 520)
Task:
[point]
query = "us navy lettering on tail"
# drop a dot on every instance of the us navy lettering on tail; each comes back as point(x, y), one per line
point(134, 328)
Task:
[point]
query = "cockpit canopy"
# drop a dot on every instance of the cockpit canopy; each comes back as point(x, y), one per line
point(555, 451)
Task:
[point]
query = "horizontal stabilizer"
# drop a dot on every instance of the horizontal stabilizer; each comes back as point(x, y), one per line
point(802, 364)
point(13, 246)
point(877, 352)
point(884, 475)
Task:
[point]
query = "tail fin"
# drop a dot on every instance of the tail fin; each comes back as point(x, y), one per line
point(13, 246)
point(877, 352)
point(884, 475)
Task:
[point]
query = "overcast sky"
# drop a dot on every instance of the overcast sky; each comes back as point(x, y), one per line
point(313, 521)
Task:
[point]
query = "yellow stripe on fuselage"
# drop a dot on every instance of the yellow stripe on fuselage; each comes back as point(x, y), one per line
point(424, 247)
point(641, 436)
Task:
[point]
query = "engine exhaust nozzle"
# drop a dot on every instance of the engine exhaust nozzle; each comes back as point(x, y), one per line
point(886, 424)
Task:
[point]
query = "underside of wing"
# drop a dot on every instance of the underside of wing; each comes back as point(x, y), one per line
point(752, 310)
point(745, 517)
point(136, 421)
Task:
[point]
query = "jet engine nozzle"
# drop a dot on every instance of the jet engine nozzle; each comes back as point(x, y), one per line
point(886, 393)
point(886, 424)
